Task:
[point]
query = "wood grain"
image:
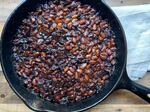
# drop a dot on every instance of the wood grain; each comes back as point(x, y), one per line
point(101, 108)
point(119, 101)
point(126, 2)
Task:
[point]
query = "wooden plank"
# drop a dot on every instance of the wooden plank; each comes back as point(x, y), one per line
point(100, 108)
point(120, 108)
point(1, 26)
point(126, 2)
point(119, 101)
point(14, 108)
point(7, 6)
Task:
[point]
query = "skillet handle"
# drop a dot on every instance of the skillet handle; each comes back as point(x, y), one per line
point(141, 91)
point(0, 48)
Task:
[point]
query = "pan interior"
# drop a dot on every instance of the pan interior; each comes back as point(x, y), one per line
point(32, 100)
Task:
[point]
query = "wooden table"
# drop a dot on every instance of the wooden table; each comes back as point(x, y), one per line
point(119, 101)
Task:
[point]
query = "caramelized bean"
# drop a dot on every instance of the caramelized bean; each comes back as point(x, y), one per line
point(64, 51)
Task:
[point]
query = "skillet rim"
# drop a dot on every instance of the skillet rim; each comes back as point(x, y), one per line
point(27, 103)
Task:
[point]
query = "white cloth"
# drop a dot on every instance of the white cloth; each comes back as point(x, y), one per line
point(136, 23)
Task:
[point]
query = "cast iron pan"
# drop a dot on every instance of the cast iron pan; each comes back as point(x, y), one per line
point(118, 80)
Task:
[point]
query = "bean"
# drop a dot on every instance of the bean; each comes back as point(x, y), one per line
point(69, 73)
point(97, 52)
point(70, 25)
point(94, 27)
point(102, 66)
point(90, 92)
point(36, 54)
point(83, 46)
point(74, 40)
point(43, 54)
point(103, 49)
point(59, 24)
point(64, 51)
point(34, 32)
point(39, 41)
point(88, 56)
point(87, 71)
point(86, 77)
point(79, 71)
point(58, 98)
point(100, 38)
point(102, 34)
point(94, 57)
point(67, 20)
point(78, 98)
point(72, 69)
point(92, 62)
point(105, 77)
point(50, 19)
point(32, 19)
point(81, 80)
point(66, 69)
point(58, 21)
point(103, 55)
point(39, 21)
point(93, 50)
point(76, 75)
point(113, 62)
point(108, 45)
point(81, 22)
point(74, 16)
point(46, 25)
point(83, 65)
point(34, 82)
point(111, 57)
point(68, 47)
point(89, 50)
point(108, 51)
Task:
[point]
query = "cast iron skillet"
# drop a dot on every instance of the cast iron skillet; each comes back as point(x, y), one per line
point(118, 80)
